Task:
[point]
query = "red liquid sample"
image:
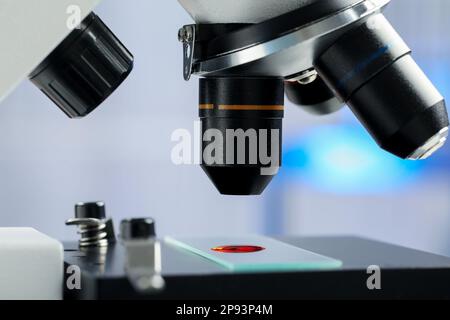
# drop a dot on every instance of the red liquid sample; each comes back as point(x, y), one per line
point(238, 249)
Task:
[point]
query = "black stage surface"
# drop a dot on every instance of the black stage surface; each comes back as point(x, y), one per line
point(405, 273)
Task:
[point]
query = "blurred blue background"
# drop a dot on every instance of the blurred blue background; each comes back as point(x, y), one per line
point(335, 180)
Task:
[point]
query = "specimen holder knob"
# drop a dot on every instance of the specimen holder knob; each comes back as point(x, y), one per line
point(137, 229)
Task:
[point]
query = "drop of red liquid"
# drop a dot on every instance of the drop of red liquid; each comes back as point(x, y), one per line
point(238, 249)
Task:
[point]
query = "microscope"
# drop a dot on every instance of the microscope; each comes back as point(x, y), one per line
point(249, 55)
point(321, 54)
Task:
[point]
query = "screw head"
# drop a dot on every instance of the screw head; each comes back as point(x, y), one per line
point(137, 229)
point(94, 210)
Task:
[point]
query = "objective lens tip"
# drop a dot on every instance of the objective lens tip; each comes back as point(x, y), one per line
point(431, 146)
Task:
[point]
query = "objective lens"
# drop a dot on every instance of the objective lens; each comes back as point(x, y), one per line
point(371, 69)
point(241, 132)
point(85, 69)
point(314, 97)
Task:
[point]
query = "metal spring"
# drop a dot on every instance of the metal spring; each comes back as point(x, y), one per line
point(92, 231)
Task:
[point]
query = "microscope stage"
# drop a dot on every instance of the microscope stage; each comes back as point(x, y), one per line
point(404, 273)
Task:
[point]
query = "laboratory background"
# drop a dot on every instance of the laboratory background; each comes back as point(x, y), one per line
point(334, 181)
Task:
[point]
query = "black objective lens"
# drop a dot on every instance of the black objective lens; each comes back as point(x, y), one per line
point(314, 97)
point(371, 69)
point(85, 69)
point(241, 132)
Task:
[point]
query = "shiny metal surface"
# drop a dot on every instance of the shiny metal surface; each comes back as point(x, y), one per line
point(290, 53)
point(92, 231)
point(143, 264)
point(431, 146)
